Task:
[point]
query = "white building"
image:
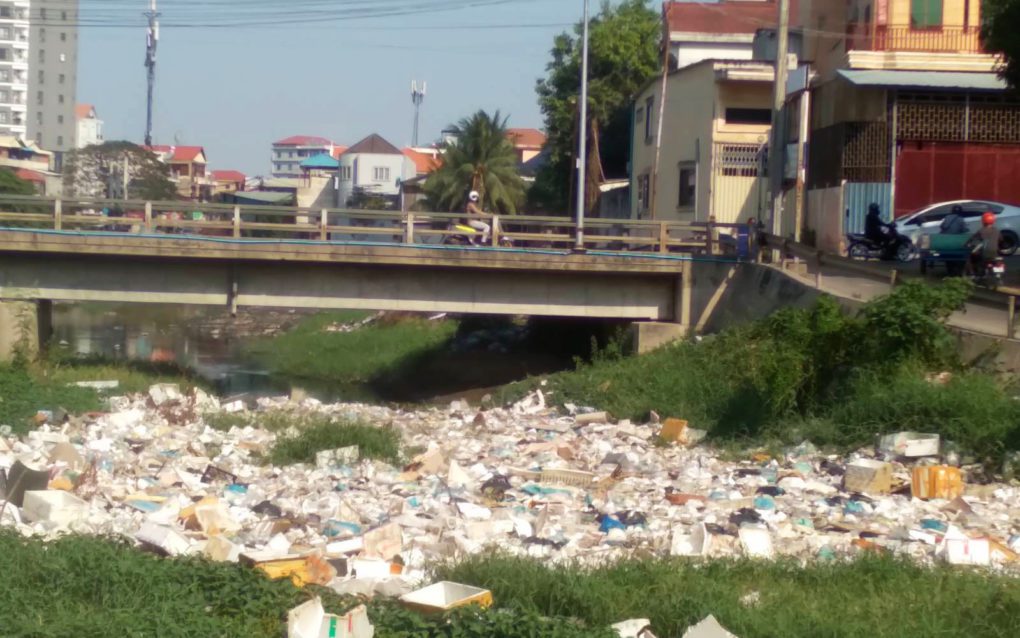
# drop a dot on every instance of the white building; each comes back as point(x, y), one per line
point(90, 127)
point(375, 167)
point(289, 152)
point(14, 36)
point(722, 30)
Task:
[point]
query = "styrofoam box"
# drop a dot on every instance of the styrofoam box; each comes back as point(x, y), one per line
point(53, 506)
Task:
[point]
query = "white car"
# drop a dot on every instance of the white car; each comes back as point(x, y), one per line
point(927, 221)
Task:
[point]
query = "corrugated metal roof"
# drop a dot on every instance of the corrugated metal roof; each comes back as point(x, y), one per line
point(926, 79)
point(321, 161)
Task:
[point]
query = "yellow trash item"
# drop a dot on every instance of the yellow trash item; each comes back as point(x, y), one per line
point(301, 570)
point(939, 481)
point(444, 596)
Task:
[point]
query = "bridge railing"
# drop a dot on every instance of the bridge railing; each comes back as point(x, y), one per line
point(335, 224)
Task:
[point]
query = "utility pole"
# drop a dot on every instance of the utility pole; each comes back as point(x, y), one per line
point(582, 153)
point(417, 97)
point(778, 100)
point(151, 40)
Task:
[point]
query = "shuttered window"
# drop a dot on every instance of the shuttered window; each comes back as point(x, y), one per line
point(925, 14)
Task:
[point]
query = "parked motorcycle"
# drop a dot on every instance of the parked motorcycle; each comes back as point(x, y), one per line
point(991, 278)
point(862, 248)
point(468, 236)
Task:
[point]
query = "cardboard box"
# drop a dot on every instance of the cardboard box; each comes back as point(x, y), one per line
point(910, 444)
point(673, 430)
point(53, 506)
point(868, 477)
point(939, 481)
point(444, 596)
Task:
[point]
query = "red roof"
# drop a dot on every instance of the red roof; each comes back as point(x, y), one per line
point(30, 175)
point(83, 111)
point(526, 138)
point(228, 176)
point(726, 16)
point(303, 140)
point(338, 151)
point(180, 153)
point(424, 163)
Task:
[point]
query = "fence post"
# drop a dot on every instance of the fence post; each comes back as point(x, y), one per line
point(237, 221)
point(409, 228)
point(818, 272)
point(58, 214)
point(1011, 317)
point(663, 237)
point(710, 238)
point(495, 231)
point(148, 217)
point(324, 225)
point(894, 278)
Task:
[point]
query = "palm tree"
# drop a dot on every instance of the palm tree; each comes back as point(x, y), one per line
point(482, 159)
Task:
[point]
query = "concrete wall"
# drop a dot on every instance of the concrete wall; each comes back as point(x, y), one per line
point(24, 325)
point(824, 216)
point(688, 53)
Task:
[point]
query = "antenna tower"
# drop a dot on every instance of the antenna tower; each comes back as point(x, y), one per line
point(417, 97)
point(151, 40)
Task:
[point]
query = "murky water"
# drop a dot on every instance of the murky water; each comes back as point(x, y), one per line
point(192, 337)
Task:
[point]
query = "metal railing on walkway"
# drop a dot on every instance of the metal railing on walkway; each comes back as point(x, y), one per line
point(240, 222)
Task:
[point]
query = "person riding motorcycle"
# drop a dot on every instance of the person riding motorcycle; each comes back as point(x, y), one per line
point(984, 245)
point(954, 224)
point(475, 213)
point(880, 233)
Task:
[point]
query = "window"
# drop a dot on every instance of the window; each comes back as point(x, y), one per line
point(3, 54)
point(60, 99)
point(5, 33)
point(688, 185)
point(42, 35)
point(42, 55)
point(63, 16)
point(5, 12)
point(5, 117)
point(42, 14)
point(749, 116)
point(38, 118)
point(345, 173)
point(648, 119)
point(5, 75)
point(39, 98)
point(60, 140)
point(925, 14)
point(643, 189)
point(63, 37)
point(38, 139)
point(60, 119)
point(5, 97)
point(63, 57)
point(42, 76)
point(381, 174)
point(60, 78)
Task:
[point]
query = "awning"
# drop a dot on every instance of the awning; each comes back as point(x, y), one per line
point(925, 80)
point(264, 197)
point(323, 161)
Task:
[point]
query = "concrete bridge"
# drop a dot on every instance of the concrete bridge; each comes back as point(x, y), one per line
point(667, 277)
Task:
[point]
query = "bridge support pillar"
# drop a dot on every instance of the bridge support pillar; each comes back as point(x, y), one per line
point(650, 335)
point(25, 327)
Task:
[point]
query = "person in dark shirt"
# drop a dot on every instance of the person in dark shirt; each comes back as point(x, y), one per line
point(984, 244)
point(882, 234)
point(954, 224)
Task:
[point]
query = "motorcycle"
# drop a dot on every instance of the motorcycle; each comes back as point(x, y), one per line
point(861, 248)
point(468, 236)
point(992, 275)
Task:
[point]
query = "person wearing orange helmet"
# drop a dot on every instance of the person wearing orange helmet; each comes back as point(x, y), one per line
point(984, 244)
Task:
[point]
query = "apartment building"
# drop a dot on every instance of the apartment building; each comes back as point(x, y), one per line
point(52, 75)
point(90, 127)
point(14, 37)
point(289, 152)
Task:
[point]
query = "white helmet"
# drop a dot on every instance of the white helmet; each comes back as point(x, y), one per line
point(473, 196)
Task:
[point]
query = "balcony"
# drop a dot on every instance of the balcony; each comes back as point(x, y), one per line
point(866, 37)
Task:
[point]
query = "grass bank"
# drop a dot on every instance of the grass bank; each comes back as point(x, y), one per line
point(812, 374)
point(80, 586)
point(312, 353)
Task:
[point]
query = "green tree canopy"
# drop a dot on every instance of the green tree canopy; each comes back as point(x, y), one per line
point(90, 171)
point(11, 184)
point(482, 159)
point(1000, 33)
point(623, 56)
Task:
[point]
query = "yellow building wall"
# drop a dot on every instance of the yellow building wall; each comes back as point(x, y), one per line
point(952, 13)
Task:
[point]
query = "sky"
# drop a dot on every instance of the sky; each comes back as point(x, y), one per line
point(234, 90)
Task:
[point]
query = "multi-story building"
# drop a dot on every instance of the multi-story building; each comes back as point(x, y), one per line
point(52, 74)
point(14, 37)
point(90, 127)
point(375, 167)
point(907, 111)
point(288, 153)
point(187, 170)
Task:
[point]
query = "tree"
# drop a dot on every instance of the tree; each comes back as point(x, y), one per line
point(482, 159)
point(93, 170)
point(999, 34)
point(623, 57)
point(11, 184)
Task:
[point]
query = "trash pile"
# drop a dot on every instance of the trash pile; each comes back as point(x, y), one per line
point(528, 479)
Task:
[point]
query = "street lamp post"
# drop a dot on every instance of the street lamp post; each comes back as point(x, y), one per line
point(582, 152)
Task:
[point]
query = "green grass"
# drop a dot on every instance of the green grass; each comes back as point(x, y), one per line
point(867, 598)
point(134, 376)
point(94, 588)
point(310, 353)
point(318, 433)
point(22, 395)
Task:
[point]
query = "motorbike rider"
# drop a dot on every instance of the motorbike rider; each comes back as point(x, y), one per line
point(954, 224)
point(880, 233)
point(475, 215)
point(984, 245)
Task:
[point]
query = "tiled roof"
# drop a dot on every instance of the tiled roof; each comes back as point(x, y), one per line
point(526, 138)
point(30, 176)
point(180, 153)
point(374, 145)
point(338, 151)
point(228, 176)
point(83, 111)
point(303, 140)
point(725, 17)
point(423, 162)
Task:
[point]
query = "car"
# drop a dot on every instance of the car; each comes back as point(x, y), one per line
point(927, 221)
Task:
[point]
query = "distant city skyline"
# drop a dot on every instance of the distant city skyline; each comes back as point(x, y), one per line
point(235, 90)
